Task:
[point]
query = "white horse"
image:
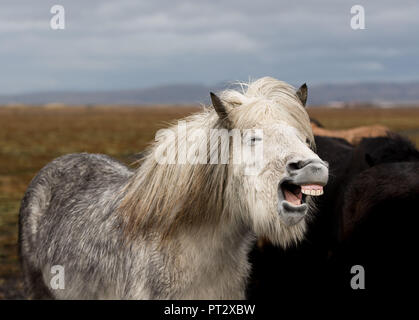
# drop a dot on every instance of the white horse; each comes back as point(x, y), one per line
point(175, 231)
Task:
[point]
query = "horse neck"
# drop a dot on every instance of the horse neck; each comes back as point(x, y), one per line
point(226, 243)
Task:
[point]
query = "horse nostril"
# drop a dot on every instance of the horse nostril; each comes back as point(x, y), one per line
point(297, 165)
point(293, 166)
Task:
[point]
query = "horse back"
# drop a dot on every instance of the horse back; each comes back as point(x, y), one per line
point(65, 206)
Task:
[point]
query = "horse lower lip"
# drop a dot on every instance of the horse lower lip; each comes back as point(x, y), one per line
point(291, 198)
point(290, 214)
point(294, 205)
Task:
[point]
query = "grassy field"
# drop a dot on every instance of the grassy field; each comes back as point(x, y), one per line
point(30, 137)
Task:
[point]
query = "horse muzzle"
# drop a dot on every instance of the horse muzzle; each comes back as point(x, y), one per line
point(304, 178)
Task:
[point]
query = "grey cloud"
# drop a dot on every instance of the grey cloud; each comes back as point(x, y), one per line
point(131, 43)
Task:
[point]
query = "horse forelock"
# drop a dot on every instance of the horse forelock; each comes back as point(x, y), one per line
point(267, 99)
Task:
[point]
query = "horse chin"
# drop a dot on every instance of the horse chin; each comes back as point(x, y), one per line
point(287, 231)
point(282, 222)
point(290, 214)
point(290, 222)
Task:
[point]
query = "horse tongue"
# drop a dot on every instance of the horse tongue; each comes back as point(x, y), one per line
point(292, 198)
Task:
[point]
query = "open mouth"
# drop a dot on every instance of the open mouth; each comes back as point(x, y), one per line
point(292, 205)
point(296, 194)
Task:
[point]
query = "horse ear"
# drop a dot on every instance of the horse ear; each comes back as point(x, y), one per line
point(302, 94)
point(219, 106)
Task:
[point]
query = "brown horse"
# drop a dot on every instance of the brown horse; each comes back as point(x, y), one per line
point(353, 135)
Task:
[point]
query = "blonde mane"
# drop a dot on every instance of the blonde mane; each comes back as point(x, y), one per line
point(164, 197)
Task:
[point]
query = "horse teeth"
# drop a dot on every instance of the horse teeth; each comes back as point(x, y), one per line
point(312, 192)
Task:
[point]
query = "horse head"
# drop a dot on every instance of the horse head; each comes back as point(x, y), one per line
point(277, 198)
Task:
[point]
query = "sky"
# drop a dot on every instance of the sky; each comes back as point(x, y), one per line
point(128, 44)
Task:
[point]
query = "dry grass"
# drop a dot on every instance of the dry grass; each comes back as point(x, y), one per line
point(30, 137)
point(401, 120)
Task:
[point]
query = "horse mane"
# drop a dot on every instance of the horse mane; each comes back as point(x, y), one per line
point(160, 198)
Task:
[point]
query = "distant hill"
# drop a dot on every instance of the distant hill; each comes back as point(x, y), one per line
point(377, 93)
point(169, 94)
